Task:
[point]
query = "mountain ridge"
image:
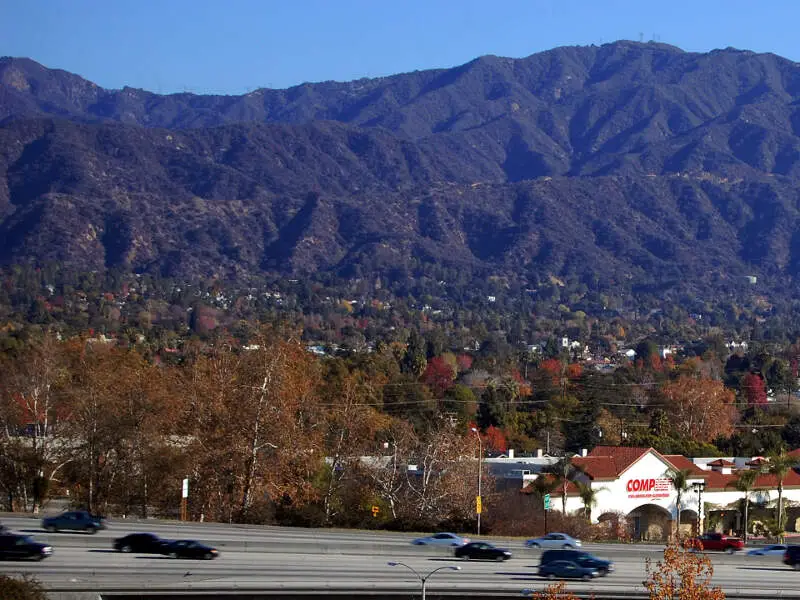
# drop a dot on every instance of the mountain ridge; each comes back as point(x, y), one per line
point(626, 162)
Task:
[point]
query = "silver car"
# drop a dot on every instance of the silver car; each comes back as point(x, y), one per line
point(554, 540)
point(441, 539)
point(774, 550)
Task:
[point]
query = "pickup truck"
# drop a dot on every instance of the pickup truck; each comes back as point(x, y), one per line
point(718, 541)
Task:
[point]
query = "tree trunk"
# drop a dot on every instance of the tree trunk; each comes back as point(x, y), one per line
point(254, 447)
point(746, 506)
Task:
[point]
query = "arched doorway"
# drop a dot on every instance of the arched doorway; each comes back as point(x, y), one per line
point(650, 523)
point(688, 522)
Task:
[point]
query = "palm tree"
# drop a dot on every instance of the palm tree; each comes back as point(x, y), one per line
point(779, 466)
point(680, 481)
point(562, 470)
point(745, 483)
point(588, 495)
point(542, 486)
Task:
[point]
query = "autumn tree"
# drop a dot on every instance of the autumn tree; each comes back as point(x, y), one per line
point(444, 486)
point(90, 420)
point(351, 427)
point(754, 389)
point(29, 397)
point(253, 423)
point(683, 574)
point(438, 376)
point(700, 409)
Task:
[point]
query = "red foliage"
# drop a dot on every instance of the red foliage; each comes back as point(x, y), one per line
point(552, 367)
point(494, 439)
point(464, 362)
point(755, 390)
point(655, 363)
point(574, 371)
point(438, 376)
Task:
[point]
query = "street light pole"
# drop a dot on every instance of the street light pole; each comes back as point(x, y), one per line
point(424, 580)
point(699, 486)
point(479, 501)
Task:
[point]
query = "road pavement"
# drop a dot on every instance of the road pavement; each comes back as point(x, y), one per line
point(304, 559)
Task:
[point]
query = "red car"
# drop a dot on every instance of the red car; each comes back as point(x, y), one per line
point(717, 541)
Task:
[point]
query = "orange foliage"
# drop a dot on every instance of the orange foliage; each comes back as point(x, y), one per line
point(700, 409)
point(554, 591)
point(684, 574)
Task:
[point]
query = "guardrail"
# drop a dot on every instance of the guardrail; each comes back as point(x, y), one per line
point(367, 592)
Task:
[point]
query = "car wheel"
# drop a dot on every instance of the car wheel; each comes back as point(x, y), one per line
point(91, 530)
point(40, 557)
point(454, 544)
point(50, 529)
point(418, 543)
point(500, 558)
point(534, 545)
point(567, 547)
point(173, 555)
point(551, 576)
point(603, 572)
point(796, 566)
point(730, 550)
point(126, 548)
point(586, 577)
point(208, 556)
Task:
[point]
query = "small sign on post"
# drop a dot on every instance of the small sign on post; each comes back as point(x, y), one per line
point(478, 505)
point(375, 511)
point(547, 501)
point(184, 499)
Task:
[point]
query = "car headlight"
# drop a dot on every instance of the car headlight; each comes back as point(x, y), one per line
point(47, 550)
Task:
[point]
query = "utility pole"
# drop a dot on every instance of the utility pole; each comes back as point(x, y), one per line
point(479, 499)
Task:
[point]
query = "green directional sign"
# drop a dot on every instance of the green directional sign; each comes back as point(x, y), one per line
point(547, 501)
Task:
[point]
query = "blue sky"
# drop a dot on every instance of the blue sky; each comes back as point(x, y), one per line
point(233, 46)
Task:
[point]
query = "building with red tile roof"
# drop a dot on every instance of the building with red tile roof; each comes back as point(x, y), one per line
point(636, 482)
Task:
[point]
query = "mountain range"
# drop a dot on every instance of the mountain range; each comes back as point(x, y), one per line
point(628, 162)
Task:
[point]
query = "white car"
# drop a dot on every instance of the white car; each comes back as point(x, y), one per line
point(554, 540)
point(441, 539)
point(773, 550)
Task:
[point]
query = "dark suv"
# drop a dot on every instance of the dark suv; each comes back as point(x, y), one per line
point(582, 559)
point(792, 557)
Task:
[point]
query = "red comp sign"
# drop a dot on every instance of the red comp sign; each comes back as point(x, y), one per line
point(648, 488)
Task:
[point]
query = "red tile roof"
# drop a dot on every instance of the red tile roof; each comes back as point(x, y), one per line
point(623, 456)
point(721, 462)
point(680, 462)
point(718, 482)
point(572, 489)
point(597, 467)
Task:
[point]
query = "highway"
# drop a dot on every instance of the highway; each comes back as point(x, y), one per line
point(287, 559)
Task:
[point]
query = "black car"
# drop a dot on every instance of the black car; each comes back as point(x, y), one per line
point(147, 543)
point(792, 557)
point(15, 546)
point(481, 551)
point(567, 569)
point(189, 549)
point(74, 520)
point(582, 559)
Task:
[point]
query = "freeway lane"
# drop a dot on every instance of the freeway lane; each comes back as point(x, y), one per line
point(268, 539)
point(284, 558)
